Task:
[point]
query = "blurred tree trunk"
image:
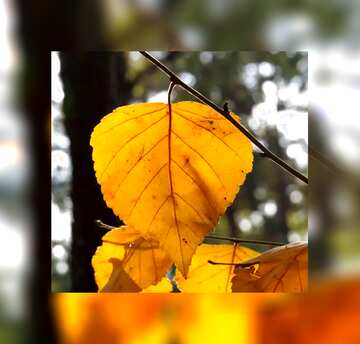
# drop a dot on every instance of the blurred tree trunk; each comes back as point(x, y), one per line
point(42, 26)
point(321, 219)
point(277, 226)
point(94, 84)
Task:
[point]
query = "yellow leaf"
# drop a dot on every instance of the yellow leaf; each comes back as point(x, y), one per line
point(164, 286)
point(119, 280)
point(281, 269)
point(127, 262)
point(204, 277)
point(170, 176)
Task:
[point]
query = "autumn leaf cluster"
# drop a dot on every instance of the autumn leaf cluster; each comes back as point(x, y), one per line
point(169, 172)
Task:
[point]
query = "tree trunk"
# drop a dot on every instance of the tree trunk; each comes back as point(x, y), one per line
point(94, 84)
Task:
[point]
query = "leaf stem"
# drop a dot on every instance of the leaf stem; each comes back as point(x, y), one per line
point(171, 87)
point(225, 113)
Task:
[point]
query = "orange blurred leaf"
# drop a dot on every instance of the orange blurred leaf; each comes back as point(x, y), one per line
point(127, 262)
point(170, 176)
point(327, 313)
point(204, 277)
point(281, 269)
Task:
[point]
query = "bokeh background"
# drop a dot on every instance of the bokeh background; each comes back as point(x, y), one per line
point(328, 30)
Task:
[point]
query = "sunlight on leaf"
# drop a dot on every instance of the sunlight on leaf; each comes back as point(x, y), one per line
point(281, 269)
point(127, 262)
point(206, 277)
point(170, 177)
point(164, 286)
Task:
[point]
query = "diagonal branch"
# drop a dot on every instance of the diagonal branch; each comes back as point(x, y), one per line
point(250, 241)
point(243, 265)
point(333, 168)
point(225, 112)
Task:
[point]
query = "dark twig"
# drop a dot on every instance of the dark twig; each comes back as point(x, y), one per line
point(151, 69)
point(103, 225)
point(243, 265)
point(334, 168)
point(248, 241)
point(225, 112)
point(260, 154)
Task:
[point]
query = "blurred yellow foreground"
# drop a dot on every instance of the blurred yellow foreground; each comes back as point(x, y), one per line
point(328, 314)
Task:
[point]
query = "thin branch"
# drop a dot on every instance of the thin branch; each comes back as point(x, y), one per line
point(248, 241)
point(243, 265)
point(325, 162)
point(333, 168)
point(152, 68)
point(103, 225)
point(260, 154)
point(225, 112)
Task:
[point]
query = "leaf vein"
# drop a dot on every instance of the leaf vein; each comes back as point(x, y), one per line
point(128, 120)
point(196, 114)
point(198, 213)
point(202, 157)
point(144, 189)
point(157, 211)
point(194, 181)
point(208, 130)
point(139, 160)
point(126, 143)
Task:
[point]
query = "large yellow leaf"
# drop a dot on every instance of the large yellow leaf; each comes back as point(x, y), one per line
point(281, 269)
point(127, 262)
point(170, 176)
point(204, 277)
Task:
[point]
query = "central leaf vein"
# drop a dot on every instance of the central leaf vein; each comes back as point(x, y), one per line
point(172, 188)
